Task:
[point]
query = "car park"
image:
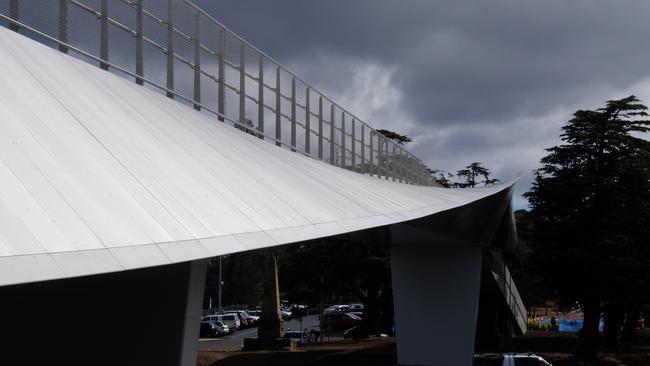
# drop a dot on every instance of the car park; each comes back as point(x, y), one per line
point(509, 359)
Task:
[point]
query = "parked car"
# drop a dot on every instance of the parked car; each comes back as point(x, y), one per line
point(509, 359)
point(231, 320)
point(298, 310)
point(339, 321)
point(206, 330)
point(293, 334)
point(353, 333)
point(356, 307)
point(357, 313)
point(256, 313)
point(252, 319)
point(337, 309)
point(213, 328)
point(243, 321)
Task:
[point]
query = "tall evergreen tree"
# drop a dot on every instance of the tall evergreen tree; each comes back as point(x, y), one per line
point(590, 204)
point(473, 173)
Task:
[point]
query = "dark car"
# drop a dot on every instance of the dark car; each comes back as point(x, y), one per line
point(353, 333)
point(294, 334)
point(339, 321)
point(206, 330)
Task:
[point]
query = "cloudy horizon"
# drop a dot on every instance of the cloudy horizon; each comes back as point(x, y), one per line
point(470, 81)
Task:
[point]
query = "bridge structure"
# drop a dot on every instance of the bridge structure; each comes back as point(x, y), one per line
point(113, 195)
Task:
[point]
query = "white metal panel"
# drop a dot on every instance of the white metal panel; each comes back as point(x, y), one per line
point(183, 251)
point(86, 262)
point(131, 257)
point(98, 174)
point(220, 245)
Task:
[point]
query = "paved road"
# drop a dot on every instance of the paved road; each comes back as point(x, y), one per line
point(236, 340)
point(228, 343)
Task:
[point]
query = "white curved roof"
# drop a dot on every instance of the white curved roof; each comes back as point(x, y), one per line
point(98, 174)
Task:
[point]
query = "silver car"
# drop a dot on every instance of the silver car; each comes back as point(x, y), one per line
point(509, 359)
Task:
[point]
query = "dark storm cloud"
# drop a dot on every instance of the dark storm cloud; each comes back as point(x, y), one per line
point(471, 80)
point(462, 61)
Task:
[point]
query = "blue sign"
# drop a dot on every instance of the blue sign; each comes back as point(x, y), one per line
point(567, 325)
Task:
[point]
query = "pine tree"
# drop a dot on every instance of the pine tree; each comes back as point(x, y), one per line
point(591, 208)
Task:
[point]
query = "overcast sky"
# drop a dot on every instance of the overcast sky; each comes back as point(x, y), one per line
point(488, 81)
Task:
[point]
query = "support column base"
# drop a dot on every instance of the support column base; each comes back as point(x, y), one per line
point(435, 293)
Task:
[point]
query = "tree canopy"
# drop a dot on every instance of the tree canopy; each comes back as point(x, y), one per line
point(473, 173)
point(394, 136)
point(590, 206)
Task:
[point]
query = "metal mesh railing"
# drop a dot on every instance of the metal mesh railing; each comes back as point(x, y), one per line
point(175, 47)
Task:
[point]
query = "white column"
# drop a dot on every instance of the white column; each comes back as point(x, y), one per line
point(193, 308)
point(435, 294)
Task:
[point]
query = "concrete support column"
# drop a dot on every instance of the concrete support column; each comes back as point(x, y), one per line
point(435, 294)
point(193, 307)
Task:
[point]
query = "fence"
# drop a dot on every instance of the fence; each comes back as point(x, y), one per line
point(175, 47)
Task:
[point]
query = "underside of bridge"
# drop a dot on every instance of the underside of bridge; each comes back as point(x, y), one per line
point(112, 197)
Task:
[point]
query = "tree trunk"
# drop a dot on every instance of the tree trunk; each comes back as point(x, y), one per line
point(588, 335)
point(629, 328)
point(614, 317)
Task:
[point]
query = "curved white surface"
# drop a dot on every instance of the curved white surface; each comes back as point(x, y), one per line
point(98, 174)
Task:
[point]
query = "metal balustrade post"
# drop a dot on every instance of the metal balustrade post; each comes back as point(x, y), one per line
point(320, 127)
point(408, 170)
point(221, 98)
point(293, 114)
point(379, 152)
point(278, 106)
point(354, 144)
point(197, 61)
point(170, 48)
point(139, 44)
point(242, 85)
point(399, 165)
point(14, 13)
point(403, 166)
point(307, 123)
point(386, 168)
point(364, 170)
point(414, 172)
point(371, 163)
point(260, 99)
point(332, 136)
point(393, 165)
point(63, 25)
point(342, 139)
point(103, 35)
point(413, 177)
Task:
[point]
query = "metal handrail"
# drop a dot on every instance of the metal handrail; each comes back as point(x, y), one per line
point(412, 170)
